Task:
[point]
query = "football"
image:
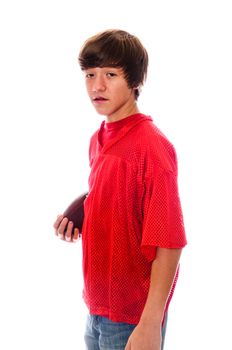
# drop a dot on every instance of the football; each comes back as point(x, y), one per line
point(75, 211)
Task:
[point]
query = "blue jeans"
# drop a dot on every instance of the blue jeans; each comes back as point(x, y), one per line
point(103, 334)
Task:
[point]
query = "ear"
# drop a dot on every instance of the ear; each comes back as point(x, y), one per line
point(138, 88)
point(137, 91)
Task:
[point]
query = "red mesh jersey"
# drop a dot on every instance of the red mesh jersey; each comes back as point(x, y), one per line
point(133, 207)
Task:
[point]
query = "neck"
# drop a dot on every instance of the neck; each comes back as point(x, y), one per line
point(133, 109)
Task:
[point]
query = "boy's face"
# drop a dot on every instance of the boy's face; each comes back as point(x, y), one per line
point(109, 92)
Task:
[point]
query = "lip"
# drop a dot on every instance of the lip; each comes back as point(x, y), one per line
point(99, 99)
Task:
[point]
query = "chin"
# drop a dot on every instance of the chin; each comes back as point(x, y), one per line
point(101, 112)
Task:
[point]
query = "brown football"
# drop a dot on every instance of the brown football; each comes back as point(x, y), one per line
point(75, 211)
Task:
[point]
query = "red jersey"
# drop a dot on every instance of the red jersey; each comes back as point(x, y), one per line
point(132, 208)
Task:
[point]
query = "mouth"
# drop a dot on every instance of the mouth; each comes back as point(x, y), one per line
point(99, 99)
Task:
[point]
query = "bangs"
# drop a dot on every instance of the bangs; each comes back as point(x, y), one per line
point(108, 53)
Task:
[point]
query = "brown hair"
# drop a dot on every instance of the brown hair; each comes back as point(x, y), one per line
point(117, 48)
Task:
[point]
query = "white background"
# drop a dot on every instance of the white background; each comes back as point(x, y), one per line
point(46, 122)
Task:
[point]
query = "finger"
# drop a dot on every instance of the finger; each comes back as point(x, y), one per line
point(68, 232)
point(76, 234)
point(57, 222)
point(62, 227)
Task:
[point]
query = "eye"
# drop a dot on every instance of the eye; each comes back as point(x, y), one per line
point(111, 74)
point(89, 75)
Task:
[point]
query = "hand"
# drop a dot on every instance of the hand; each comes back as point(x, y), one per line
point(63, 229)
point(144, 338)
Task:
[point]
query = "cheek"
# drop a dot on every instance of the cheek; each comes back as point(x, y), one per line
point(125, 94)
point(88, 87)
point(122, 91)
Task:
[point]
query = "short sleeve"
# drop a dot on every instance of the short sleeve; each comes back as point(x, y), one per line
point(163, 219)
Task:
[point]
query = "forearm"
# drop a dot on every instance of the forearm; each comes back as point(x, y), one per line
point(162, 275)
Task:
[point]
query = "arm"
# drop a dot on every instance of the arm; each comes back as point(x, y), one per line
point(147, 334)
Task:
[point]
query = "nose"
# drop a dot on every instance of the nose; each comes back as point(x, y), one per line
point(98, 84)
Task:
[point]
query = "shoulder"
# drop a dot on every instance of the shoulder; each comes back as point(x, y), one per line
point(156, 147)
point(94, 137)
point(93, 146)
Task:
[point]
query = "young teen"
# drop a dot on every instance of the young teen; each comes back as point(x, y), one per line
point(133, 230)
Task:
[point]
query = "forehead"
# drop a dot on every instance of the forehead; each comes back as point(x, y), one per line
point(118, 70)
